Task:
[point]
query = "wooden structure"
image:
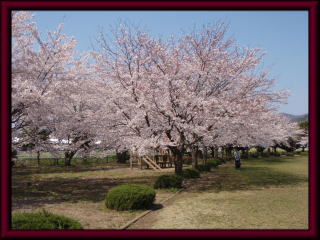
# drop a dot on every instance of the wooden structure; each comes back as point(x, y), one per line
point(161, 158)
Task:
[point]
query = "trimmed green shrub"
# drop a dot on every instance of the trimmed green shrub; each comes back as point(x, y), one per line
point(190, 173)
point(222, 160)
point(43, 220)
point(130, 197)
point(204, 167)
point(214, 162)
point(168, 181)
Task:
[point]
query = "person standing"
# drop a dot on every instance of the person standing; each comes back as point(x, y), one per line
point(237, 160)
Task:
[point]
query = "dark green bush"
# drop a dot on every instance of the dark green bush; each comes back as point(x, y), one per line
point(190, 173)
point(204, 167)
point(168, 181)
point(254, 155)
point(265, 154)
point(130, 196)
point(214, 162)
point(276, 154)
point(43, 220)
point(221, 161)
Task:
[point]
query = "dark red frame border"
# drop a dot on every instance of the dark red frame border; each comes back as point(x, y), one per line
point(7, 6)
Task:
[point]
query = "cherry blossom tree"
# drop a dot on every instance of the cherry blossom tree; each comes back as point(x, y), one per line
point(22, 96)
point(188, 93)
point(52, 87)
point(178, 93)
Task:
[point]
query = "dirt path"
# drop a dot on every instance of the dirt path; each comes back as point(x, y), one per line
point(147, 221)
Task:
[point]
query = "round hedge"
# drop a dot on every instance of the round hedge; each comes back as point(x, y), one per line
point(216, 162)
point(130, 197)
point(168, 181)
point(222, 160)
point(190, 173)
point(204, 167)
point(43, 220)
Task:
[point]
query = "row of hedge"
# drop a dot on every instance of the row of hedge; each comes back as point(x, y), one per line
point(122, 197)
point(43, 220)
point(216, 162)
point(138, 196)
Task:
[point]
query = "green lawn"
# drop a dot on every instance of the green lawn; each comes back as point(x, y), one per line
point(269, 193)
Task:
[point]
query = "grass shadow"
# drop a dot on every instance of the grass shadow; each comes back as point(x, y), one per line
point(248, 177)
point(264, 176)
point(35, 193)
point(156, 206)
point(23, 171)
point(270, 160)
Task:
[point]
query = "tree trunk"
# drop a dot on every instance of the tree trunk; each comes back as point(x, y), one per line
point(247, 153)
point(213, 151)
point(38, 157)
point(205, 155)
point(242, 153)
point(178, 163)
point(122, 157)
point(303, 149)
point(222, 152)
point(68, 155)
point(178, 159)
point(194, 155)
point(216, 152)
point(260, 150)
point(228, 153)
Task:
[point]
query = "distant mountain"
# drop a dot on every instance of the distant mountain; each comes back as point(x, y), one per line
point(297, 118)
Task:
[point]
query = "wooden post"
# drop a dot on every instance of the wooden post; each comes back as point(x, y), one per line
point(131, 159)
point(140, 163)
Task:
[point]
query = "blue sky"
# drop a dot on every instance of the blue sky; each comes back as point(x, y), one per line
point(283, 35)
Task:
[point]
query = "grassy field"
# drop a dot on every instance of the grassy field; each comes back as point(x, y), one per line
point(268, 193)
point(79, 191)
